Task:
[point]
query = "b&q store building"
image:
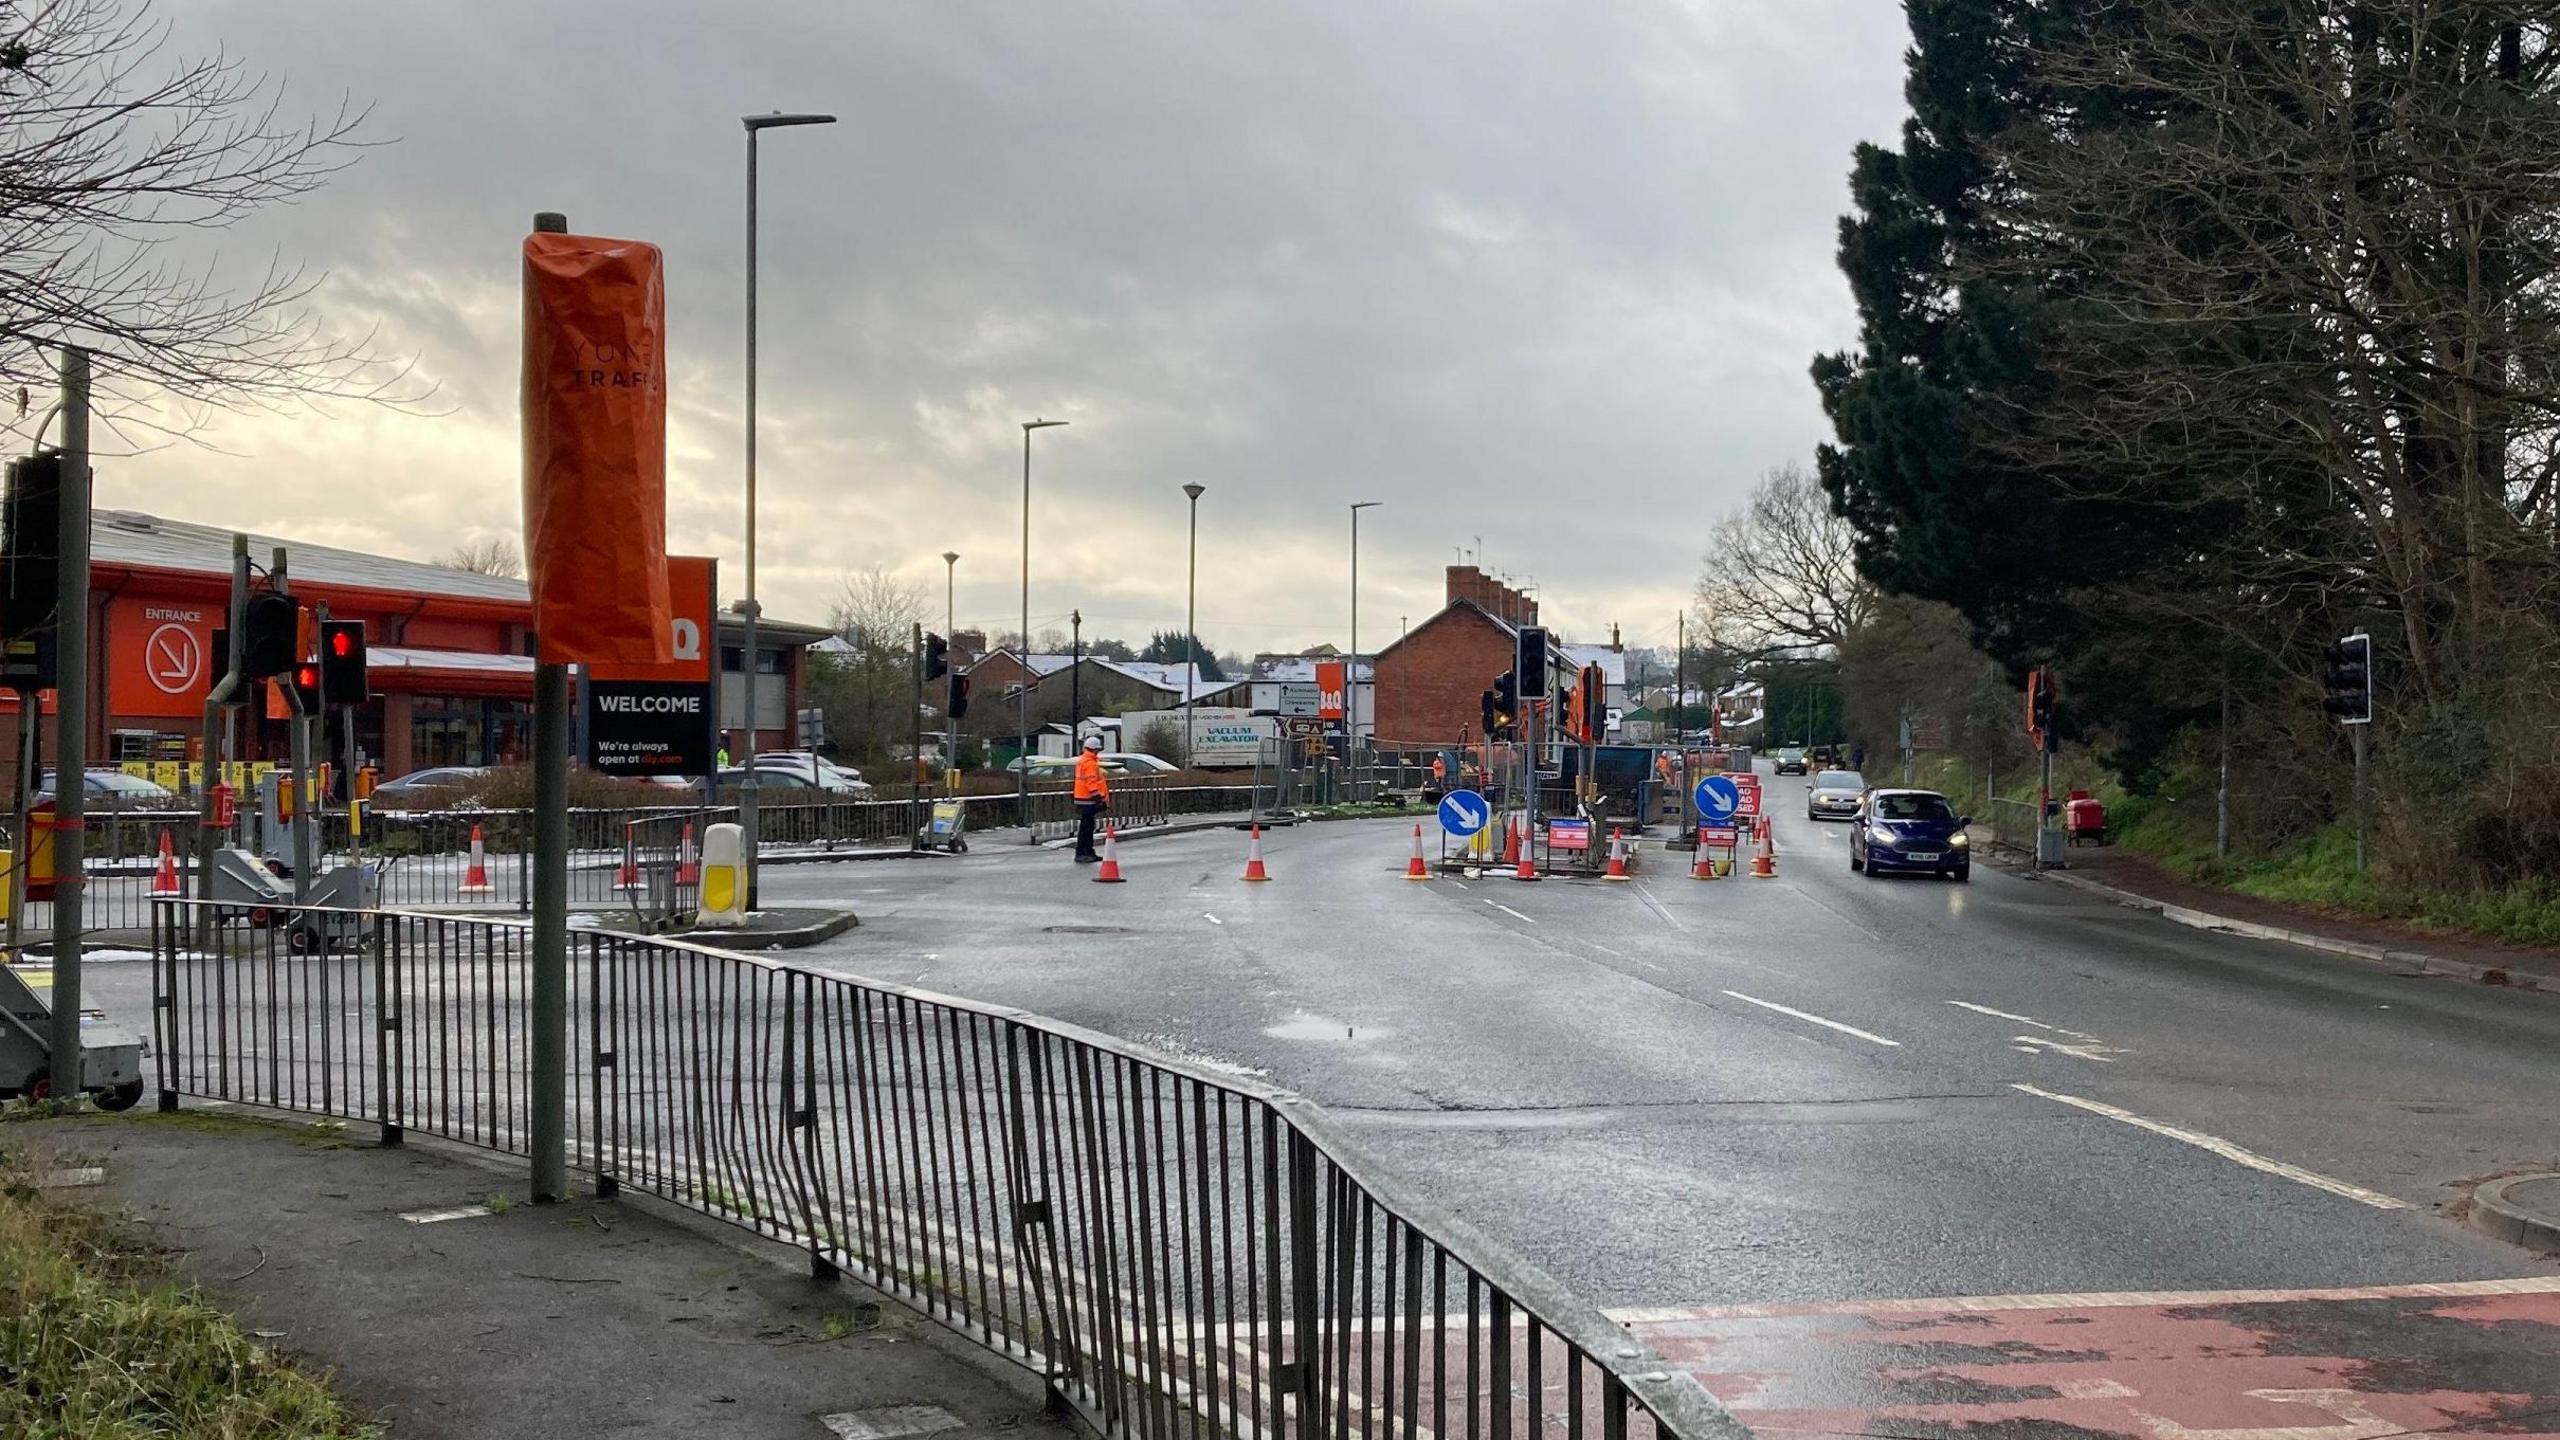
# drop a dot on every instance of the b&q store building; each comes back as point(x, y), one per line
point(451, 652)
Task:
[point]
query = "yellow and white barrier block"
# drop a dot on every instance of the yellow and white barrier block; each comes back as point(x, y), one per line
point(724, 877)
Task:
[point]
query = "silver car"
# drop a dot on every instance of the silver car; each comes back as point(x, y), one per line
point(1834, 795)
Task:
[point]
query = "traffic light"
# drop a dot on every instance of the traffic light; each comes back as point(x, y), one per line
point(937, 656)
point(1491, 721)
point(959, 705)
point(1506, 706)
point(305, 679)
point(1529, 667)
point(2040, 694)
point(1595, 704)
point(31, 532)
point(2350, 680)
point(274, 635)
point(342, 677)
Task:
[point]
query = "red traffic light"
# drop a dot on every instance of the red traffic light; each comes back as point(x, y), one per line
point(341, 644)
point(307, 676)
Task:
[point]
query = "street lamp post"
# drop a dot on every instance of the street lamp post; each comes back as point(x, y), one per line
point(951, 632)
point(1351, 677)
point(1022, 696)
point(748, 609)
point(1191, 623)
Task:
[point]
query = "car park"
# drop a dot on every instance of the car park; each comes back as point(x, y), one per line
point(818, 774)
point(1833, 795)
point(1912, 832)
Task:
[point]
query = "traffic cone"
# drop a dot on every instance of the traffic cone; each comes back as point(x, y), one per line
point(626, 878)
point(164, 881)
point(1253, 870)
point(1414, 868)
point(1617, 857)
point(475, 881)
point(1705, 869)
point(1108, 872)
point(1528, 863)
point(688, 867)
point(1764, 861)
point(1510, 839)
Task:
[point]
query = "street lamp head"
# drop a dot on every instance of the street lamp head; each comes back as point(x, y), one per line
point(1366, 504)
point(1040, 424)
point(950, 557)
point(1193, 490)
point(777, 118)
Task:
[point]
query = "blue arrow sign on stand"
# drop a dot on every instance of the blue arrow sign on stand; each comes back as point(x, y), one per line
point(1464, 812)
point(1717, 798)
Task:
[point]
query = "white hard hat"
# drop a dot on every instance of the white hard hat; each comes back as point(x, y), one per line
point(1093, 742)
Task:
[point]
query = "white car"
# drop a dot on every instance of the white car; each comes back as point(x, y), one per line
point(1133, 762)
point(800, 760)
point(824, 775)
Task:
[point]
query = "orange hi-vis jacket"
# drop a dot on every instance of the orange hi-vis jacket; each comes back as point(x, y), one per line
point(1089, 782)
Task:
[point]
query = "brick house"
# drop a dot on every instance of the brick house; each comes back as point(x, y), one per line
point(1430, 684)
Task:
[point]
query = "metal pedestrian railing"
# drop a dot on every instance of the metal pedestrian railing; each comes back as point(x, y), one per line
point(1180, 1254)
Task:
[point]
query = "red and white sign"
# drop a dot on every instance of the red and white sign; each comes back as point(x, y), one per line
point(1719, 837)
point(1330, 683)
point(1748, 785)
point(159, 654)
point(1568, 834)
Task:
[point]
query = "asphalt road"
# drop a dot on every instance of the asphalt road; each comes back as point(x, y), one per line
point(1719, 1108)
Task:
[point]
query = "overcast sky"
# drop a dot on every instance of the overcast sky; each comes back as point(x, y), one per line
point(1548, 274)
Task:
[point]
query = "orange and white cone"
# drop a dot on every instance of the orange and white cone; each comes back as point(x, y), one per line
point(1705, 869)
point(626, 876)
point(475, 880)
point(688, 865)
point(164, 880)
point(1528, 861)
point(1414, 869)
point(1108, 872)
point(1253, 870)
point(1617, 857)
point(1764, 861)
point(1511, 839)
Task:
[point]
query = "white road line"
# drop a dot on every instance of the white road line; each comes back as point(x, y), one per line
point(431, 1217)
point(2236, 1154)
point(1660, 909)
point(1869, 1036)
point(1507, 910)
point(2021, 1019)
point(1212, 919)
point(2091, 1300)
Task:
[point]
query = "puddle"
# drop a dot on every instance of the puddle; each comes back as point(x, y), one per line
point(1317, 1027)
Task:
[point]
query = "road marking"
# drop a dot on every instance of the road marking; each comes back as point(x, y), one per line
point(1866, 1035)
point(1507, 910)
point(2021, 1019)
point(1660, 909)
point(889, 1421)
point(2236, 1154)
point(2097, 1300)
point(431, 1217)
point(1212, 919)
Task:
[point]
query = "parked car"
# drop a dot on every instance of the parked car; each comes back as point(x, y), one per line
point(1834, 795)
point(1050, 765)
point(824, 775)
point(801, 759)
point(1913, 831)
point(115, 790)
point(441, 782)
point(736, 775)
point(1791, 760)
point(1137, 763)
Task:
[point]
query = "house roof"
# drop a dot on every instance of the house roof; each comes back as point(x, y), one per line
point(1612, 663)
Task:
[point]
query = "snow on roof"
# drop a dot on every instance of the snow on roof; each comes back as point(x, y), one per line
point(1612, 663)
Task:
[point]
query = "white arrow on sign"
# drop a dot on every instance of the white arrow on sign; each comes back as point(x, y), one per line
point(1470, 818)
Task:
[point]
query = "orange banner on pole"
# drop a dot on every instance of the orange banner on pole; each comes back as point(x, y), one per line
point(595, 450)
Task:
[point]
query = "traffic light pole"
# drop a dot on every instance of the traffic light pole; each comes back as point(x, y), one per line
point(2358, 732)
point(915, 748)
point(71, 725)
point(210, 835)
point(298, 732)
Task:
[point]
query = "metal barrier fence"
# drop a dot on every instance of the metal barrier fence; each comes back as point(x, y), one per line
point(1177, 1253)
point(2013, 824)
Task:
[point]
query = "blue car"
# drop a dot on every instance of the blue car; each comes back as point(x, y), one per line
point(1910, 830)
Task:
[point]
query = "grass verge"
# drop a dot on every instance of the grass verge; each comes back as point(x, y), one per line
point(96, 1342)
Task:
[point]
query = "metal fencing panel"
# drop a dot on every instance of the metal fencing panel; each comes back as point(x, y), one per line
point(1179, 1254)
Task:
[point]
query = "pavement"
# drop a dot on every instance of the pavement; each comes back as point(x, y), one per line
point(450, 1322)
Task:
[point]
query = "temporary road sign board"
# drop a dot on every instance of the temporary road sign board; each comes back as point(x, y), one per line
point(1747, 793)
point(1719, 837)
point(1718, 797)
point(1568, 834)
point(1464, 812)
